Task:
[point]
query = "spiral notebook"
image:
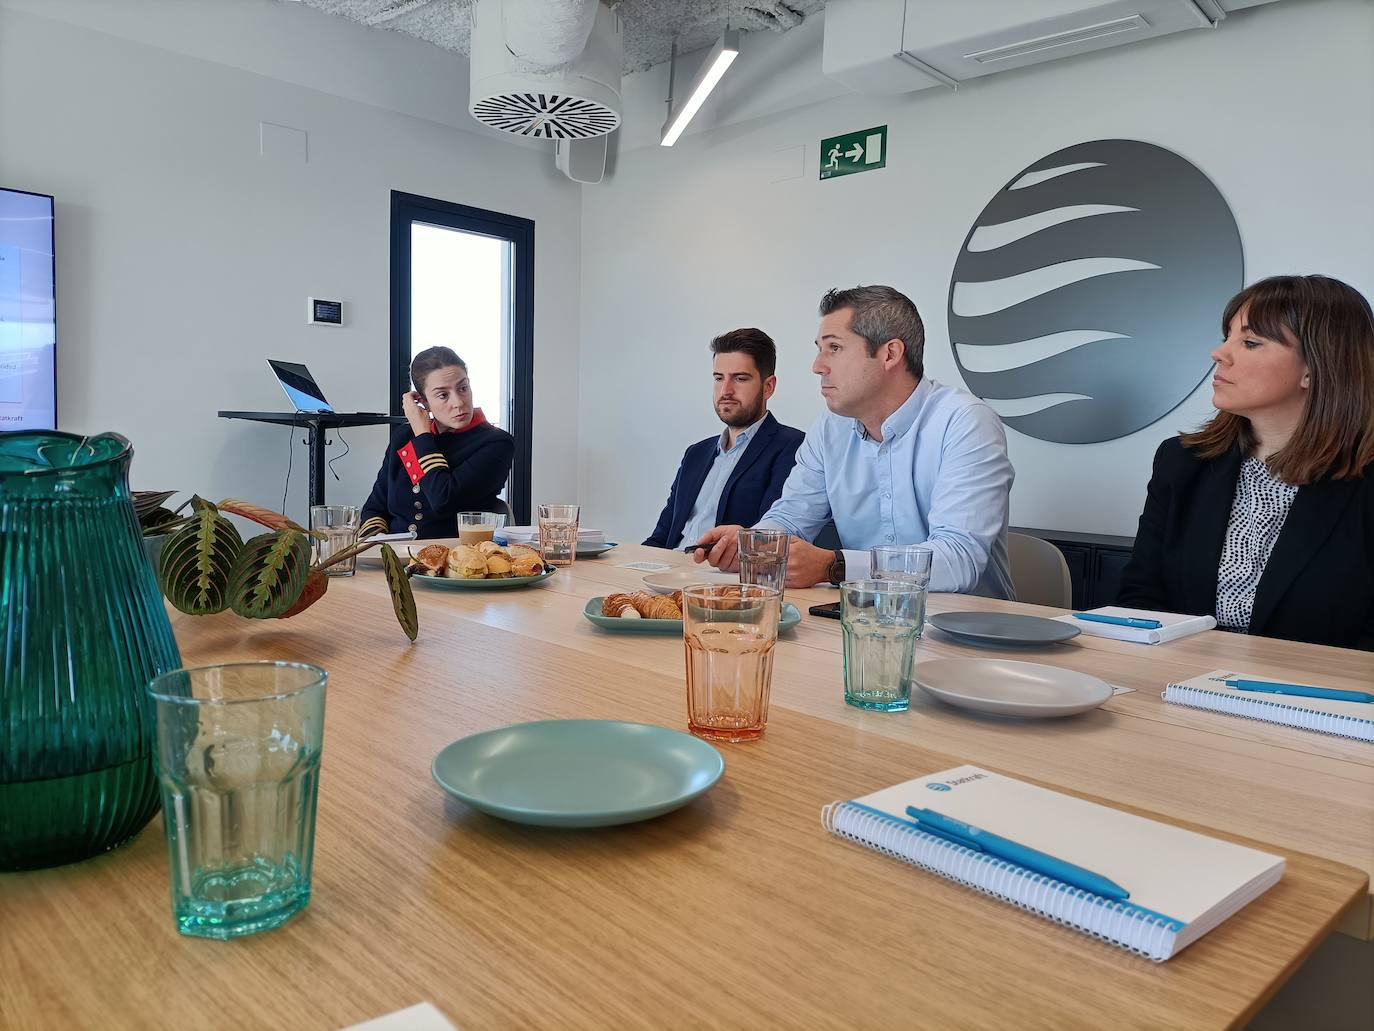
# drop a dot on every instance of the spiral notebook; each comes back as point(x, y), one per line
point(1324, 715)
point(1178, 884)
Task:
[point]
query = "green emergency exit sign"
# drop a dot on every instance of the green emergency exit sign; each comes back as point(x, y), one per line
point(854, 152)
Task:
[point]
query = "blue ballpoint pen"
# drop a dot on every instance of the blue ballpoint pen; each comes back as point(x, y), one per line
point(1022, 855)
point(1302, 690)
point(1138, 624)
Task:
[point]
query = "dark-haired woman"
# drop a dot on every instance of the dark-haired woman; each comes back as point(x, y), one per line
point(448, 459)
point(1264, 517)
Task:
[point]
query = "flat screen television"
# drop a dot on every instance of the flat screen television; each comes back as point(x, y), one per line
point(28, 312)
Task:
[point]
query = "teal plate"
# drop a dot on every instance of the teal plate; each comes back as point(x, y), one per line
point(578, 773)
point(447, 583)
point(789, 618)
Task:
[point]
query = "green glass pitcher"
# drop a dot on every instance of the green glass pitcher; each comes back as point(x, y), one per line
point(82, 632)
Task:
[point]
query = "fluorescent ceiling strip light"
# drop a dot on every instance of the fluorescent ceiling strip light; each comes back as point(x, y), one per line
point(717, 62)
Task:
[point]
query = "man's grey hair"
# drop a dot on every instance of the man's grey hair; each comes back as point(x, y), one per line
point(882, 314)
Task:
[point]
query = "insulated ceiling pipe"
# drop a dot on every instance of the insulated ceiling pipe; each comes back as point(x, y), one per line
point(546, 35)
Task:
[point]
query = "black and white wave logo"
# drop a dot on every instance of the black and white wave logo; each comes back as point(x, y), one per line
point(1086, 298)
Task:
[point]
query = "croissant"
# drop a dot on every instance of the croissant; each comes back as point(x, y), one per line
point(640, 600)
point(619, 605)
point(490, 548)
point(661, 607)
point(526, 563)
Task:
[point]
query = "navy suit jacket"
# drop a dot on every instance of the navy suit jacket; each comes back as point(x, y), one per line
point(753, 486)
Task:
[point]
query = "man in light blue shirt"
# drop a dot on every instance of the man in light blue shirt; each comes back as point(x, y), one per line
point(897, 459)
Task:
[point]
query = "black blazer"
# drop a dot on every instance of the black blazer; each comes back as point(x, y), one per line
point(1318, 585)
point(753, 486)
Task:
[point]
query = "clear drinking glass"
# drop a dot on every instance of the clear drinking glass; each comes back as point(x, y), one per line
point(729, 631)
point(238, 761)
point(905, 562)
point(558, 534)
point(476, 527)
point(881, 622)
point(763, 558)
point(339, 524)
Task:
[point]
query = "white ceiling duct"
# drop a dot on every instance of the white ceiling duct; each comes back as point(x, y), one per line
point(546, 68)
point(545, 36)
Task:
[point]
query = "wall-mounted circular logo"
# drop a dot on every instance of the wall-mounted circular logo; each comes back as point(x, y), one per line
point(937, 786)
point(1088, 294)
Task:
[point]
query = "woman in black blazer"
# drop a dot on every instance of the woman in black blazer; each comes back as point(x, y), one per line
point(1264, 517)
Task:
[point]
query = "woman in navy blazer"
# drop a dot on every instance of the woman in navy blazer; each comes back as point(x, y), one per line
point(1265, 516)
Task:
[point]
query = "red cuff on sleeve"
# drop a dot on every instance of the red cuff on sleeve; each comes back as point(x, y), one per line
point(417, 465)
point(410, 462)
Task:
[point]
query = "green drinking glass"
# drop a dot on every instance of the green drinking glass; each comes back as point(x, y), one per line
point(83, 630)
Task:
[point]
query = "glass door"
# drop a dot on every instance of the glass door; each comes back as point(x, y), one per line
point(462, 277)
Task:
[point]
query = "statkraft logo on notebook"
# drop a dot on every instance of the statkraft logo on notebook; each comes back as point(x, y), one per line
point(937, 785)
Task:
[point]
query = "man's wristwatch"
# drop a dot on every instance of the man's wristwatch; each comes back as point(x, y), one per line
point(836, 574)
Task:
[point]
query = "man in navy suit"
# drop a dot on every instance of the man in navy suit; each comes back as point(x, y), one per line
point(734, 477)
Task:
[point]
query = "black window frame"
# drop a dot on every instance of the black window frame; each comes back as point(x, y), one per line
point(409, 208)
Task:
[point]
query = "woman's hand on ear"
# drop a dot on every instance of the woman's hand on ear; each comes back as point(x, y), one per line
point(414, 413)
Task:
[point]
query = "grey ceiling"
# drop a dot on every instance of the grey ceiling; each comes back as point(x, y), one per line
point(650, 25)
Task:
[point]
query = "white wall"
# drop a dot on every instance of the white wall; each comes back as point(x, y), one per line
point(682, 244)
point(184, 258)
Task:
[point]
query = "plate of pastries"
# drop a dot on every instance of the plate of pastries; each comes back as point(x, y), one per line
point(481, 566)
point(642, 612)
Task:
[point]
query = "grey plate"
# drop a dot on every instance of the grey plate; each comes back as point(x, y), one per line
point(686, 576)
point(594, 550)
point(1005, 687)
point(1003, 627)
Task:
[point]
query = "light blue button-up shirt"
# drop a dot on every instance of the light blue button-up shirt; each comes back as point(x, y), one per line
point(940, 476)
point(703, 515)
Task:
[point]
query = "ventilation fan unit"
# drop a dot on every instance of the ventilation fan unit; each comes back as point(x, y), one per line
point(546, 68)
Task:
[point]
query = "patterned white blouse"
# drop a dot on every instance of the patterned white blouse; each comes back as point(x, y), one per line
point(1257, 515)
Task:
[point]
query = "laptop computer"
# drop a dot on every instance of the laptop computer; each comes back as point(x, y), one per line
point(301, 389)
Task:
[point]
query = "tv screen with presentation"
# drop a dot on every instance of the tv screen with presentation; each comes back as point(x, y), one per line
point(28, 312)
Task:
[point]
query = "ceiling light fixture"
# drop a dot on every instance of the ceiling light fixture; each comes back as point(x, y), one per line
point(712, 69)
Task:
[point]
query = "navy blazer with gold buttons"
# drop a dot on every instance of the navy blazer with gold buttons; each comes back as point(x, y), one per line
point(426, 480)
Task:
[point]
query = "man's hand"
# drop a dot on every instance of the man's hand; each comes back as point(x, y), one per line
point(807, 565)
point(720, 547)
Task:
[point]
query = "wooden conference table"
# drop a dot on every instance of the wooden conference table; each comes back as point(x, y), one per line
point(738, 910)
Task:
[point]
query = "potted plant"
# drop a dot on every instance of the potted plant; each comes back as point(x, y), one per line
point(205, 566)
